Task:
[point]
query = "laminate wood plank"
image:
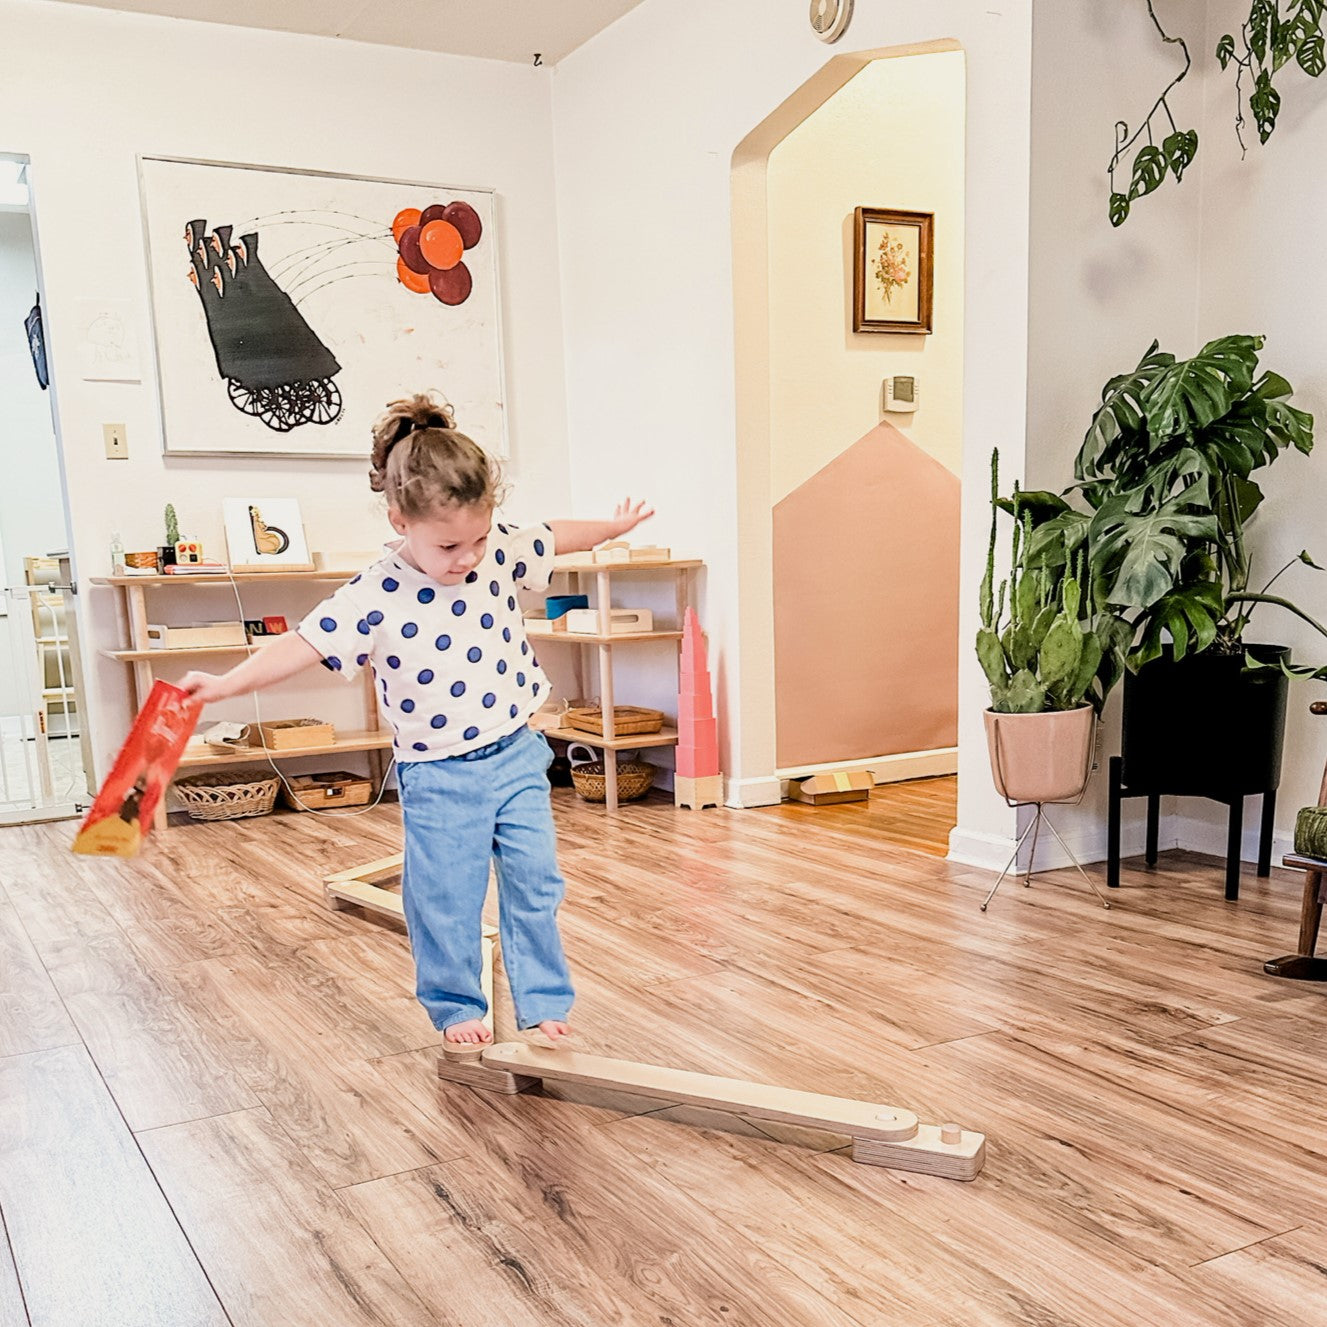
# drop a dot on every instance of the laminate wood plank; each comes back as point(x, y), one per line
point(13, 1313)
point(275, 1241)
point(93, 1239)
point(1279, 1280)
point(32, 1016)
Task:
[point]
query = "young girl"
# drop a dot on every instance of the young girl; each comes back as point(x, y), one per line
point(437, 620)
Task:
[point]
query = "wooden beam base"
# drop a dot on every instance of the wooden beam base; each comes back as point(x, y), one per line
point(697, 794)
point(361, 887)
point(882, 1135)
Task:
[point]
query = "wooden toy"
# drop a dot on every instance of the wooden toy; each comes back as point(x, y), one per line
point(697, 783)
point(619, 550)
point(585, 621)
point(188, 552)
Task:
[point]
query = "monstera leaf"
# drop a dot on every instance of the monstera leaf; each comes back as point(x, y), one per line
point(1120, 415)
point(1179, 149)
point(1191, 394)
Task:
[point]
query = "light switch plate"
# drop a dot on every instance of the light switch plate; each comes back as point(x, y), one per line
point(117, 442)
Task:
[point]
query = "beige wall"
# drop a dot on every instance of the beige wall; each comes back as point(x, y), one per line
point(890, 138)
point(865, 518)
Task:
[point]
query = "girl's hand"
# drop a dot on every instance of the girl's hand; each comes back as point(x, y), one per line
point(628, 515)
point(206, 687)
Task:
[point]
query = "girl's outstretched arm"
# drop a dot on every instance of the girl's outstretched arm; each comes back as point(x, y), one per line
point(272, 663)
point(581, 536)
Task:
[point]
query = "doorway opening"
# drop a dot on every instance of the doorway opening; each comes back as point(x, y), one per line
point(43, 748)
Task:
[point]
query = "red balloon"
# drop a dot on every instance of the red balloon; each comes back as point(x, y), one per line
point(410, 254)
point(432, 213)
point(441, 245)
point(404, 219)
point(411, 280)
point(466, 220)
point(452, 286)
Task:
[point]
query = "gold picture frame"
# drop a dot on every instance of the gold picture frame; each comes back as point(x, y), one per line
point(893, 271)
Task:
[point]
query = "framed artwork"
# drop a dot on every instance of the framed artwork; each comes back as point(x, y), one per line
point(265, 534)
point(893, 270)
point(289, 307)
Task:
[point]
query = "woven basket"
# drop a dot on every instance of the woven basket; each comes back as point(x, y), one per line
point(228, 795)
point(634, 778)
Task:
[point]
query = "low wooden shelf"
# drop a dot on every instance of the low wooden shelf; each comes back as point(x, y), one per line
point(369, 739)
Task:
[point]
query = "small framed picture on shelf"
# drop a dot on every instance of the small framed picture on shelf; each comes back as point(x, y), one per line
point(265, 534)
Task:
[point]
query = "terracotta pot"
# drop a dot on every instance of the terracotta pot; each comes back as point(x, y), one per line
point(1041, 757)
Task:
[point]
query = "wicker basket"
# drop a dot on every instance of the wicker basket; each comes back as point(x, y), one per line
point(228, 795)
point(627, 719)
point(634, 778)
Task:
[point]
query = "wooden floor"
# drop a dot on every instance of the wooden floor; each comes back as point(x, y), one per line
point(218, 1105)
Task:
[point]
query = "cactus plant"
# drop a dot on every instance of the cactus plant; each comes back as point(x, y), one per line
point(1048, 653)
point(172, 525)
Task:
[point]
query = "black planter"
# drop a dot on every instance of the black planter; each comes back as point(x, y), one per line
point(1207, 726)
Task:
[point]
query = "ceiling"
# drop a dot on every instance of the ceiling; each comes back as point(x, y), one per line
point(491, 29)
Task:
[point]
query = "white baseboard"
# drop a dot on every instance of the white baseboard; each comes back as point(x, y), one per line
point(745, 793)
point(1202, 836)
point(884, 769)
point(990, 852)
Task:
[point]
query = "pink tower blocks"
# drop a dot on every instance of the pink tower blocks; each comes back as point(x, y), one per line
point(698, 783)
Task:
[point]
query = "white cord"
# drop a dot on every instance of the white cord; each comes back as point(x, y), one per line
point(341, 814)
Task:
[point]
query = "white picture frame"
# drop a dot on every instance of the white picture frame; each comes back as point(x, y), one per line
point(303, 361)
point(265, 534)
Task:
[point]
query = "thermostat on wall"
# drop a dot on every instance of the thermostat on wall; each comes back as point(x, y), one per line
point(901, 394)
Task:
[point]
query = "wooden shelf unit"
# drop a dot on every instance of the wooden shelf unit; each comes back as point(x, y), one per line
point(585, 575)
point(373, 738)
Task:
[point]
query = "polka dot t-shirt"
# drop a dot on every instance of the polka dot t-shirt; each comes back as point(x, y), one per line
point(453, 668)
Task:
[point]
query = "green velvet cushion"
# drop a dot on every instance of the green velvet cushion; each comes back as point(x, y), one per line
point(1311, 832)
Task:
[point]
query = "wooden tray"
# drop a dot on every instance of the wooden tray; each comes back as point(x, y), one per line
point(627, 719)
point(287, 734)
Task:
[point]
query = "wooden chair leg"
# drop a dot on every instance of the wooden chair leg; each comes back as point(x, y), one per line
point(1303, 966)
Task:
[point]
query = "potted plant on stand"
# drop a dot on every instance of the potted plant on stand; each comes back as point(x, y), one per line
point(1043, 654)
point(1166, 470)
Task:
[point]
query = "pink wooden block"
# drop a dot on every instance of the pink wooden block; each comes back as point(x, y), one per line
point(693, 764)
point(691, 708)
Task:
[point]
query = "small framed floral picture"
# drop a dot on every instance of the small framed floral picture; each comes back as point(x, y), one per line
point(893, 270)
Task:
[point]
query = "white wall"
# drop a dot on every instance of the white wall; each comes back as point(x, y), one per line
point(891, 138)
point(86, 90)
point(31, 516)
point(647, 118)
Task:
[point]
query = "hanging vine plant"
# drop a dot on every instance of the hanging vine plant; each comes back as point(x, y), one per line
point(1152, 163)
point(1268, 41)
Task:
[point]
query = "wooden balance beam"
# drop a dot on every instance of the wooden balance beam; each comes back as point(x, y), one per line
point(361, 887)
point(881, 1135)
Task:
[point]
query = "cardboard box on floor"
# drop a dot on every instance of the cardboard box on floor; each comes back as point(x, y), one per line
point(837, 786)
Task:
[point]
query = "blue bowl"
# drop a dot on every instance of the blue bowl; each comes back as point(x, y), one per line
point(558, 604)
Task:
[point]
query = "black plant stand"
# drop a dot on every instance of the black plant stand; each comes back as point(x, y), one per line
point(1235, 801)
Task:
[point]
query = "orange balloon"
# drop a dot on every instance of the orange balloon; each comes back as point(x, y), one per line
point(404, 219)
point(411, 280)
point(441, 244)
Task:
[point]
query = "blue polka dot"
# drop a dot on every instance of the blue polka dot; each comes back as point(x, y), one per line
point(392, 662)
point(361, 659)
point(471, 733)
point(333, 663)
point(425, 596)
point(500, 557)
point(354, 580)
point(486, 621)
point(425, 676)
point(458, 688)
point(489, 700)
point(409, 630)
point(502, 666)
point(502, 529)
point(525, 647)
point(520, 679)
point(506, 634)
point(389, 585)
point(438, 721)
point(328, 624)
point(539, 547)
point(408, 706)
point(474, 654)
point(514, 711)
point(421, 746)
point(511, 602)
point(494, 588)
point(363, 627)
point(373, 618)
point(443, 642)
point(472, 578)
point(458, 607)
point(535, 689)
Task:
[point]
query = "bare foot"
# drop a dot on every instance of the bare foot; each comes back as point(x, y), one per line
point(555, 1031)
point(470, 1033)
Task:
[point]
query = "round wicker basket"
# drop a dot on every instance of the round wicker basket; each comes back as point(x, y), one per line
point(634, 779)
point(228, 794)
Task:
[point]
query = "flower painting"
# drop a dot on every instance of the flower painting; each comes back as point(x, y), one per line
point(892, 271)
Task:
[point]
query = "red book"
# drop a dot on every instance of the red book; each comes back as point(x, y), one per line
point(122, 814)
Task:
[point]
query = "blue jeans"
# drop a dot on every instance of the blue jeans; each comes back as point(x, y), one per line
point(459, 813)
